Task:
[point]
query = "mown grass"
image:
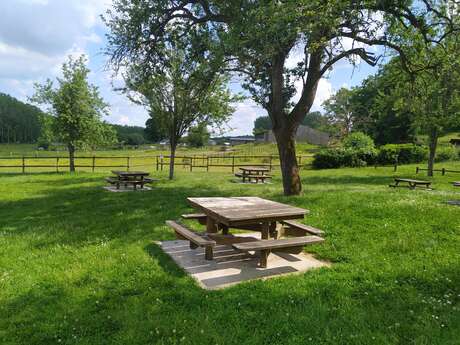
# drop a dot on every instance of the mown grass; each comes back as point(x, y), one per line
point(78, 265)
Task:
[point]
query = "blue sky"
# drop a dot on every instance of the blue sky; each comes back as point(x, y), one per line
point(36, 36)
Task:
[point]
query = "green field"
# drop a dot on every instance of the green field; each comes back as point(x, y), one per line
point(79, 264)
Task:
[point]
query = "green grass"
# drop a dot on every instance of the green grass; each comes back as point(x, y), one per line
point(78, 265)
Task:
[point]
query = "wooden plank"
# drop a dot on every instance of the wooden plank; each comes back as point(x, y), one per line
point(278, 244)
point(190, 235)
point(194, 216)
point(412, 181)
point(245, 210)
point(231, 239)
point(303, 228)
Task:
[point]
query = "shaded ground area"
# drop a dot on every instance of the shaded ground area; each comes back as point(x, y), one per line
point(78, 265)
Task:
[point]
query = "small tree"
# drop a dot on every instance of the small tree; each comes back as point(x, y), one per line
point(339, 111)
point(77, 108)
point(198, 136)
point(182, 90)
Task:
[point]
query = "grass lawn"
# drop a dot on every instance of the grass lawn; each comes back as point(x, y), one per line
point(78, 264)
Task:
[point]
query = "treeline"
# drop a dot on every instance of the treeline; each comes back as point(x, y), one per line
point(23, 123)
point(19, 122)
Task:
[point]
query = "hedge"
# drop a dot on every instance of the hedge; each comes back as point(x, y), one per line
point(385, 155)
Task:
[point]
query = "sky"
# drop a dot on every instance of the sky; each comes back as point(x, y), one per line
point(37, 36)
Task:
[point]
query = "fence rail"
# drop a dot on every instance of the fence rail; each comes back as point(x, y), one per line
point(443, 171)
point(156, 162)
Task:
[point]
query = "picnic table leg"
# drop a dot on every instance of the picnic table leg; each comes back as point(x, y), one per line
point(211, 225)
point(264, 258)
point(224, 229)
point(265, 231)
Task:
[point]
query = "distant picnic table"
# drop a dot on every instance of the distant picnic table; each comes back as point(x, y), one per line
point(279, 233)
point(456, 184)
point(412, 184)
point(254, 173)
point(129, 178)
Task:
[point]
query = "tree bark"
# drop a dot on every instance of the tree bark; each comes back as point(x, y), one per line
point(433, 143)
point(71, 149)
point(285, 139)
point(172, 158)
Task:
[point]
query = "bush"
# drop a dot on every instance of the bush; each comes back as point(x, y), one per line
point(358, 141)
point(402, 154)
point(446, 153)
point(337, 158)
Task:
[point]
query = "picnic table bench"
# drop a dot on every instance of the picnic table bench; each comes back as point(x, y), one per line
point(132, 178)
point(412, 184)
point(279, 233)
point(254, 173)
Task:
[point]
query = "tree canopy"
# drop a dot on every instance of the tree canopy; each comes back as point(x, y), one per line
point(77, 108)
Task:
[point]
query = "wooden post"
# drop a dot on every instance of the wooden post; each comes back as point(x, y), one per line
point(207, 163)
point(127, 163)
point(191, 164)
point(300, 161)
point(94, 162)
point(416, 170)
point(443, 170)
point(233, 164)
point(23, 165)
point(271, 159)
point(161, 162)
point(396, 167)
point(57, 164)
point(157, 162)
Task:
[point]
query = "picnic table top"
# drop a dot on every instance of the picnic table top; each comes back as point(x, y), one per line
point(130, 173)
point(254, 169)
point(411, 180)
point(245, 210)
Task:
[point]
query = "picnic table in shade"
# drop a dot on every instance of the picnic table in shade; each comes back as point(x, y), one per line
point(133, 178)
point(272, 219)
point(256, 173)
point(411, 183)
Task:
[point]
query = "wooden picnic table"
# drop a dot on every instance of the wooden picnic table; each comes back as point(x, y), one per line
point(274, 220)
point(411, 183)
point(254, 173)
point(456, 183)
point(134, 178)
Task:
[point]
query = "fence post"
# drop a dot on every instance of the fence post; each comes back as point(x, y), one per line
point(271, 159)
point(300, 161)
point(161, 162)
point(233, 164)
point(127, 163)
point(416, 170)
point(57, 164)
point(23, 165)
point(396, 167)
point(443, 171)
point(207, 163)
point(157, 162)
point(94, 162)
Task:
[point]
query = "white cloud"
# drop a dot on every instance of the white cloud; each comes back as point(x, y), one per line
point(242, 121)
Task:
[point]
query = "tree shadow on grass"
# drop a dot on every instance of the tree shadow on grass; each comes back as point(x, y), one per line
point(79, 215)
point(378, 180)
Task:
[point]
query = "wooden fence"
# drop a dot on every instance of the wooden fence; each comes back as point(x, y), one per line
point(443, 171)
point(155, 162)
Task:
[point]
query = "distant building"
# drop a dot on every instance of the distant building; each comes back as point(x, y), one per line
point(304, 134)
point(241, 140)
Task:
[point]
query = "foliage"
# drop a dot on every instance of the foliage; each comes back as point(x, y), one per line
point(446, 153)
point(344, 157)
point(77, 108)
point(153, 131)
point(198, 136)
point(402, 154)
point(19, 122)
point(358, 141)
point(262, 124)
point(339, 111)
point(375, 107)
point(126, 134)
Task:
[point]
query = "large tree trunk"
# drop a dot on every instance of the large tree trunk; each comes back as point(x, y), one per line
point(172, 158)
point(433, 143)
point(72, 158)
point(285, 139)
